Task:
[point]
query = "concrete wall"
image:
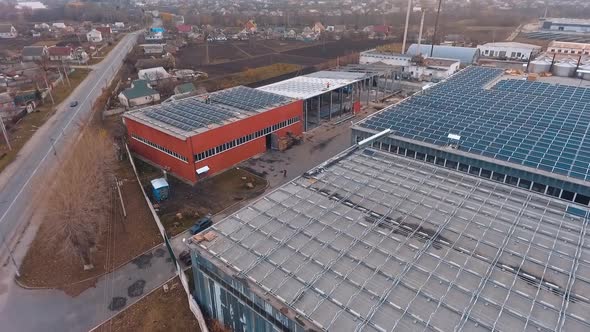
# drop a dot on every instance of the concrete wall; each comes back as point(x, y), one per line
point(226, 299)
point(178, 167)
point(215, 137)
point(393, 60)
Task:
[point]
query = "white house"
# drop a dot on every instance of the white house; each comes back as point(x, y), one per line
point(151, 36)
point(60, 53)
point(42, 26)
point(433, 69)
point(59, 25)
point(509, 50)
point(94, 36)
point(140, 93)
point(7, 31)
point(153, 74)
point(119, 25)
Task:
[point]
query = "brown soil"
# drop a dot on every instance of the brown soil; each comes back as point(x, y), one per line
point(211, 195)
point(230, 57)
point(127, 238)
point(158, 311)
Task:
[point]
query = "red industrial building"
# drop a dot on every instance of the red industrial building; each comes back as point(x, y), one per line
point(199, 136)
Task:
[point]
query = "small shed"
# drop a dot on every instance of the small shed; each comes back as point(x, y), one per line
point(160, 189)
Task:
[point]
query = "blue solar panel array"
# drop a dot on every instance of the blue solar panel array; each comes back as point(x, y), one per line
point(189, 114)
point(252, 100)
point(545, 89)
point(194, 113)
point(545, 132)
point(559, 36)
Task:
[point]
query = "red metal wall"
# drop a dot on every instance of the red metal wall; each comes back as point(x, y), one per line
point(212, 138)
point(224, 134)
point(177, 167)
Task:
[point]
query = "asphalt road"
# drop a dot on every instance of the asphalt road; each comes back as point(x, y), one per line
point(27, 175)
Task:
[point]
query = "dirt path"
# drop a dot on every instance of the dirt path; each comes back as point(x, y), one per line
point(241, 50)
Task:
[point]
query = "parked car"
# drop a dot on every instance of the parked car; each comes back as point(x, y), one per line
point(74, 104)
point(185, 258)
point(201, 225)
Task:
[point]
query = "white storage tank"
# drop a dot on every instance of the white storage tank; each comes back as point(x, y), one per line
point(564, 69)
point(584, 76)
point(540, 66)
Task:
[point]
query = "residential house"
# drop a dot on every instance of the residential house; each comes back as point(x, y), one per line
point(7, 31)
point(119, 25)
point(318, 28)
point(59, 25)
point(42, 26)
point(251, 26)
point(60, 53)
point(153, 48)
point(35, 34)
point(94, 36)
point(80, 55)
point(184, 28)
point(106, 32)
point(291, 34)
point(153, 74)
point(140, 93)
point(154, 36)
point(34, 53)
point(184, 88)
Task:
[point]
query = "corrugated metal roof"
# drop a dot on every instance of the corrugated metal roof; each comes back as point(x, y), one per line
point(377, 242)
point(312, 85)
point(467, 55)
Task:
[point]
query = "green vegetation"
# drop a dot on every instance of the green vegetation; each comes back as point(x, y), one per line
point(393, 48)
point(256, 74)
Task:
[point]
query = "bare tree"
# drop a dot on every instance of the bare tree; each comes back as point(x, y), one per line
point(78, 201)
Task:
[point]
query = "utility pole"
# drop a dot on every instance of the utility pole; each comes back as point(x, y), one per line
point(66, 74)
point(435, 28)
point(121, 197)
point(5, 134)
point(420, 33)
point(406, 28)
point(48, 89)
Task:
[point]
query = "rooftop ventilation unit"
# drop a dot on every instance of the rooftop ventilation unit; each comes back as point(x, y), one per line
point(454, 141)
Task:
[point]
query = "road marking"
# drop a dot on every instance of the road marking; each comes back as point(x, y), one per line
point(60, 134)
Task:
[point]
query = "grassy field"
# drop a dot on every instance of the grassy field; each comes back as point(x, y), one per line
point(255, 74)
point(24, 130)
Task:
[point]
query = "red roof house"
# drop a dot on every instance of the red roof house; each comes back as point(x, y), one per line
point(381, 29)
point(184, 28)
point(60, 53)
point(105, 31)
